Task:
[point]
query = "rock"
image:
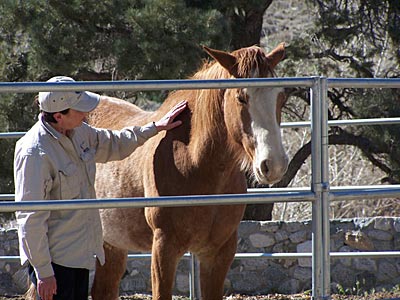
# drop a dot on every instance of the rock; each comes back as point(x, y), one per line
point(302, 248)
point(380, 235)
point(281, 235)
point(182, 283)
point(290, 286)
point(299, 236)
point(358, 240)
point(303, 274)
point(384, 224)
point(396, 224)
point(248, 227)
point(261, 240)
point(20, 279)
point(270, 226)
point(387, 271)
point(133, 284)
point(365, 264)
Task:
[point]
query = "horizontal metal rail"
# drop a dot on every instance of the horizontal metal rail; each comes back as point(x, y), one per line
point(195, 200)
point(238, 256)
point(296, 255)
point(331, 189)
point(363, 194)
point(147, 85)
point(345, 193)
point(165, 201)
point(372, 121)
point(338, 192)
point(152, 85)
point(11, 135)
point(365, 83)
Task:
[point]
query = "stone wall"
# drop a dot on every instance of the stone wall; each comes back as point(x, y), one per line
point(264, 276)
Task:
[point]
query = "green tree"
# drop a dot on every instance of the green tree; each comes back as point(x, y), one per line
point(95, 40)
point(111, 40)
point(244, 18)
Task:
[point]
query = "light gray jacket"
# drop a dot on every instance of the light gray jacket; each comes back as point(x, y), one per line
point(51, 166)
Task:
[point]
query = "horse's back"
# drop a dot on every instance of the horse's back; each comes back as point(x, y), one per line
point(114, 113)
point(116, 179)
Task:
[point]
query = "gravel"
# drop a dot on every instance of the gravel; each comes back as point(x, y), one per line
point(393, 295)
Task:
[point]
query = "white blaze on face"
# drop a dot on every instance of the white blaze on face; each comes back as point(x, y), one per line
point(270, 161)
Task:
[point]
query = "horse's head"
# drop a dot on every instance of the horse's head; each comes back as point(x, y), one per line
point(252, 115)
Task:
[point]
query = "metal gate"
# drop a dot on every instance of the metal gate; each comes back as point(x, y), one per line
point(320, 193)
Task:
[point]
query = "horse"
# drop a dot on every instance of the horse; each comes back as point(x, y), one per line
point(224, 133)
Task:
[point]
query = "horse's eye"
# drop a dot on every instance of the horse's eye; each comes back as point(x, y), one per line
point(241, 98)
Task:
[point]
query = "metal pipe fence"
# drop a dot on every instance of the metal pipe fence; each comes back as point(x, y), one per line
point(319, 193)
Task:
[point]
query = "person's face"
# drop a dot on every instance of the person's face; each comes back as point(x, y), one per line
point(70, 120)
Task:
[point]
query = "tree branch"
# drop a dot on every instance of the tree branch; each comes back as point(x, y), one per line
point(341, 138)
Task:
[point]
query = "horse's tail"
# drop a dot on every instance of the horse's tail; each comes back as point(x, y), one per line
point(31, 293)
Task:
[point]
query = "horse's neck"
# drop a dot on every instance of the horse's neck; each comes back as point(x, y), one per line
point(208, 134)
point(205, 167)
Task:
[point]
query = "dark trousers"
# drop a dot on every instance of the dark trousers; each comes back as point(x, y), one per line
point(72, 283)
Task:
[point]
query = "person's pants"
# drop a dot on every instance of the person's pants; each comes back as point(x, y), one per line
point(72, 283)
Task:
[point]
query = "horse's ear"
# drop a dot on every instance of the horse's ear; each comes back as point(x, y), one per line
point(276, 55)
point(225, 59)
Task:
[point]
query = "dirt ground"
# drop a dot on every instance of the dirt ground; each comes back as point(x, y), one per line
point(395, 295)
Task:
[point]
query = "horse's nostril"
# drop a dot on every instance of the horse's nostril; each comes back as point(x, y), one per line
point(264, 167)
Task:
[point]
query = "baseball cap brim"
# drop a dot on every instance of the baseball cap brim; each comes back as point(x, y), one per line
point(88, 101)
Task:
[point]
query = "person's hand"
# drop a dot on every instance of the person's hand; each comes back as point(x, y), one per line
point(47, 287)
point(167, 122)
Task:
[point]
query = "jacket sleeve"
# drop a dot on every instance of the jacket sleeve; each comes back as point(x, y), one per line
point(31, 183)
point(117, 145)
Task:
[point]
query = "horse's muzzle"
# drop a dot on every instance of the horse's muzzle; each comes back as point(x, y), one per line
point(271, 171)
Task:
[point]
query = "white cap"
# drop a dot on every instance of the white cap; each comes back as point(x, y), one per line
point(58, 101)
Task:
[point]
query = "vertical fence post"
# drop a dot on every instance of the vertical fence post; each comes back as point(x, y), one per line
point(194, 278)
point(326, 270)
point(316, 187)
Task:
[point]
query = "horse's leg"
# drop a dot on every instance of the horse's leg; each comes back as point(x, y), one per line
point(214, 267)
point(164, 259)
point(107, 277)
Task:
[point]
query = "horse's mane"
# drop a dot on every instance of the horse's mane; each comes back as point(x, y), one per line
point(208, 106)
point(252, 63)
point(208, 103)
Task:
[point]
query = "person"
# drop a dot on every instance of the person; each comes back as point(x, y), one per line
point(55, 160)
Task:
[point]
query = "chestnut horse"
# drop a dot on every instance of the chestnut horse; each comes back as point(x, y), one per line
point(224, 133)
